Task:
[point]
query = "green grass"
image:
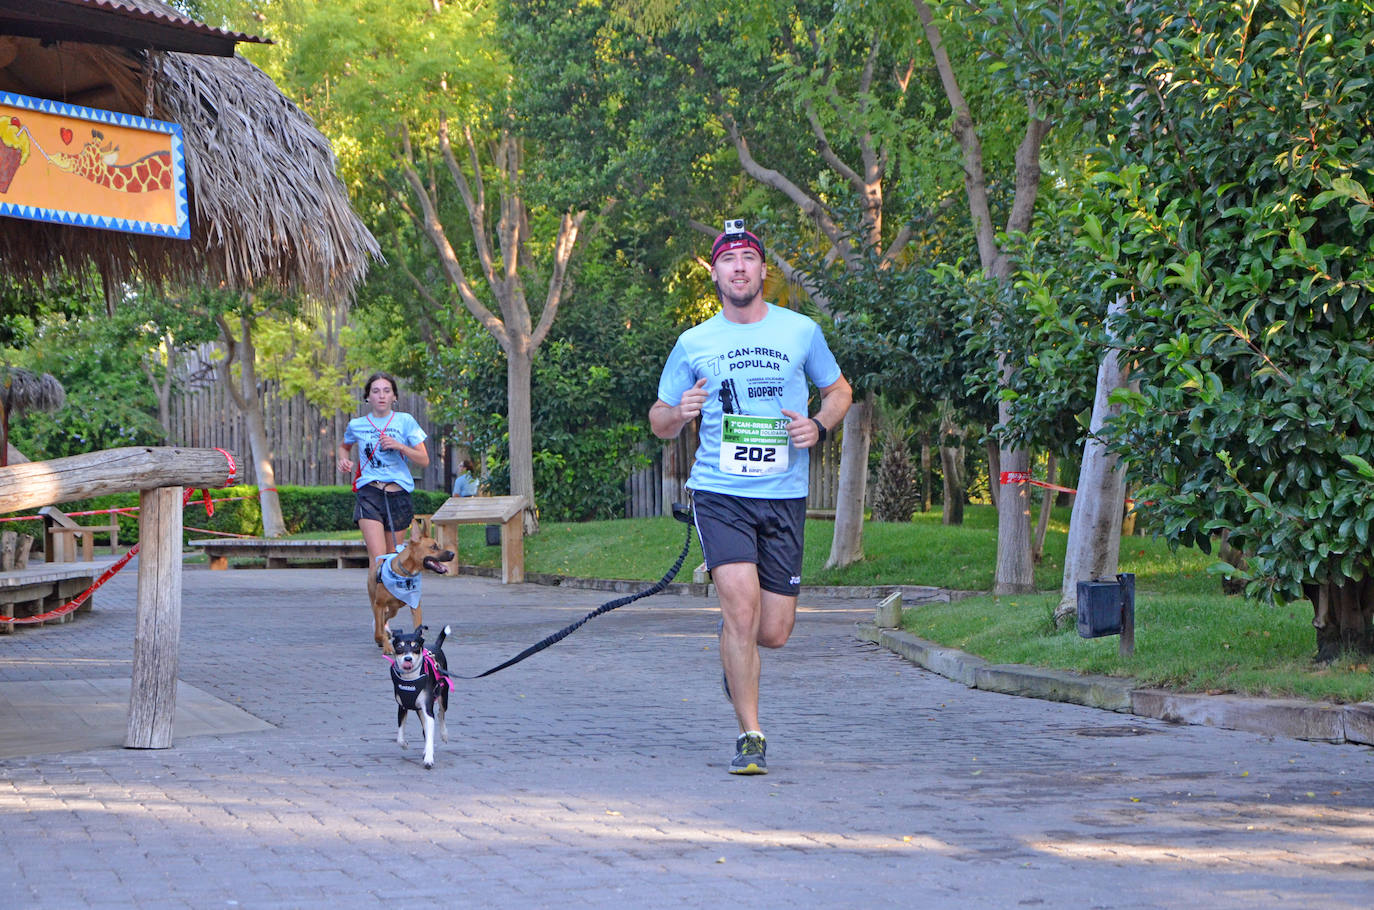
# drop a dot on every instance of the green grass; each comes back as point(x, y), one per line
point(1189, 636)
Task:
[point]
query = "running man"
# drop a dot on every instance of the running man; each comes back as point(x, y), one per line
point(744, 372)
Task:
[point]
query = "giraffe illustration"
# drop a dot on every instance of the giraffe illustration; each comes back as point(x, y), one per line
point(97, 163)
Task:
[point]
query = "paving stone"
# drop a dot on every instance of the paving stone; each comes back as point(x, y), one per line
point(593, 774)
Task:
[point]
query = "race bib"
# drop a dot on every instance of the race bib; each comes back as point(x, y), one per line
point(751, 446)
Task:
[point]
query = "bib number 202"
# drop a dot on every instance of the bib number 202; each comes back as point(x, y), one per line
point(756, 453)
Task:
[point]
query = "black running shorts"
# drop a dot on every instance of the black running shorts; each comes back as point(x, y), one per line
point(393, 509)
point(766, 532)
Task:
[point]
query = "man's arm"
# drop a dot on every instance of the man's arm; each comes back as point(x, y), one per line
point(835, 401)
point(667, 420)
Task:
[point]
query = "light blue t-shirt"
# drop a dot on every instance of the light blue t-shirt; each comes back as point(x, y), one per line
point(376, 463)
point(752, 371)
point(465, 485)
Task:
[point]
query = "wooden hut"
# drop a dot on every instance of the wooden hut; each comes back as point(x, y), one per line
point(262, 205)
point(266, 206)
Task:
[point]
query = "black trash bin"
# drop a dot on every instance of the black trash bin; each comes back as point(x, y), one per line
point(1103, 606)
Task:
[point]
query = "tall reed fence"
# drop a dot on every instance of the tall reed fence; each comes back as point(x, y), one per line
point(304, 441)
point(653, 490)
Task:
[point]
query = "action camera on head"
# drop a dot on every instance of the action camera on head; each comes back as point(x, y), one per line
point(734, 226)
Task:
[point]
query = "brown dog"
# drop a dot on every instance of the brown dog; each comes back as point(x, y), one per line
point(394, 582)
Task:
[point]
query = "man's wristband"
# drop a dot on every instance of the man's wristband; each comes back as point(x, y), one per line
point(821, 427)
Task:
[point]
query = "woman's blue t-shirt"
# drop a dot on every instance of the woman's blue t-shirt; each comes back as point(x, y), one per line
point(376, 463)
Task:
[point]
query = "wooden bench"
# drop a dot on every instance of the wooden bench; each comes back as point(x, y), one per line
point(61, 534)
point(346, 554)
point(31, 591)
point(507, 511)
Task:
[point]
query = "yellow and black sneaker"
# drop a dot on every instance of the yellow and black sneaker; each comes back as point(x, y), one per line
point(749, 749)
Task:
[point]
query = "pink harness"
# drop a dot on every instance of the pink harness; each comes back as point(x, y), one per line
point(429, 670)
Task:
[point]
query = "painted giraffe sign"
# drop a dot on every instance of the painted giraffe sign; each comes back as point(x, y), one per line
point(92, 168)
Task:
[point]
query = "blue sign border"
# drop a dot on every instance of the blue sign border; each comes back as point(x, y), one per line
point(182, 228)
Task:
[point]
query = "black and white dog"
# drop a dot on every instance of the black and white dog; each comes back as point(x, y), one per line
point(420, 686)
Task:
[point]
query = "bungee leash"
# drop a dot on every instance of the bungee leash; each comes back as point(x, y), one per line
point(681, 513)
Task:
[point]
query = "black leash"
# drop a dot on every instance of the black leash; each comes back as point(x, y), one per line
point(681, 513)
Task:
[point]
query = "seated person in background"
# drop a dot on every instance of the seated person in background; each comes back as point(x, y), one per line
point(465, 484)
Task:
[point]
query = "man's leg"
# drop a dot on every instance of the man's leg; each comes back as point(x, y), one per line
point(751, 617)
point(737, 585)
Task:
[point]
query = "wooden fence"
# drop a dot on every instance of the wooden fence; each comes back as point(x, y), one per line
point(304, 441)
point(653, 490)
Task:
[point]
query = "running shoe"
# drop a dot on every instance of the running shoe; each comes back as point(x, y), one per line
point(749, 749)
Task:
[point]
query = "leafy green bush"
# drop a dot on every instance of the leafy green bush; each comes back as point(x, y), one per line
point(1236, 213)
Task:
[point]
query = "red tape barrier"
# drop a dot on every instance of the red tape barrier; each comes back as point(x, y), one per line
point(76, 602)
point(124, 510)
point(1011, 477)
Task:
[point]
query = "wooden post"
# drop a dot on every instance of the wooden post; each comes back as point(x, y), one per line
point(1125, 645)
point(513, 550)
point(153, 694)
point(447, 536)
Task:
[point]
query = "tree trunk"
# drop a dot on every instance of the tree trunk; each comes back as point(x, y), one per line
point(1015, 573)
point(162, 389)
point(925, 472)
point(249, 401)
point(1343, 617)
point(273, 524)
point(846, 546)
point(519, 430)
point(994, 470)
point(952, 466)
point(1046, 505)
point(504, 261)
point(1231, 556)
point(952, 469)
point(1095, 524)
point(1014, 570)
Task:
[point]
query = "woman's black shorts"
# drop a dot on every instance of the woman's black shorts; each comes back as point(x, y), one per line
point(392, 509)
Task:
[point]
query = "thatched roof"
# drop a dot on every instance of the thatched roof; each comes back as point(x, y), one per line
point(266, 206)
point(25, 390)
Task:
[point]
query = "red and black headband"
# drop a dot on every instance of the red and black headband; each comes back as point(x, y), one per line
point(734, 240)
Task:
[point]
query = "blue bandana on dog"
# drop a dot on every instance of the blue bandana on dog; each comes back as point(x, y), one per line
point(405, 588)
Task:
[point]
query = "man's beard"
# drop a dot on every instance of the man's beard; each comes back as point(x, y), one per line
point(728, 293)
